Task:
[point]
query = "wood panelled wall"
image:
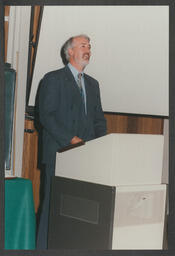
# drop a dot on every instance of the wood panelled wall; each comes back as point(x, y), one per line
point(115, 124)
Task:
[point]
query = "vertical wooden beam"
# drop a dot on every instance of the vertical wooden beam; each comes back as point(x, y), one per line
point(30, 159)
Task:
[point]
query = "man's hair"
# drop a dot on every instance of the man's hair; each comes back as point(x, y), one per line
point(69, 44)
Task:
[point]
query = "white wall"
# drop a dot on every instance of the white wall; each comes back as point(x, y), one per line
point(17, 55)
point(130, 52)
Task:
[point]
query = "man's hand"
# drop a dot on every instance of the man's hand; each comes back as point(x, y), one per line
point(75, 140)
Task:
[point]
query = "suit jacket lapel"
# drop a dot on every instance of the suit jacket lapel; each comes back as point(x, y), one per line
point(70, 78)
point(68, 75)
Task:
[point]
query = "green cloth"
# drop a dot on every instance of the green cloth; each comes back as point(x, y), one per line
point(20, 222)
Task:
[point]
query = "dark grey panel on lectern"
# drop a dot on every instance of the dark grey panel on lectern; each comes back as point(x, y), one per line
point(81, 215)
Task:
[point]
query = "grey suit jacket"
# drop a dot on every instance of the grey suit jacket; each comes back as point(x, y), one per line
point(61, 111)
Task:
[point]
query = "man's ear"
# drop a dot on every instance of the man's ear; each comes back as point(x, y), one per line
point(70, 51)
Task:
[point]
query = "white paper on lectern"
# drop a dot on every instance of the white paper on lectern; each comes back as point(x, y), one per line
point(115, 159)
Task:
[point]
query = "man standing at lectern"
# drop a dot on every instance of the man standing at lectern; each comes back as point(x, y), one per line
point(69, 111)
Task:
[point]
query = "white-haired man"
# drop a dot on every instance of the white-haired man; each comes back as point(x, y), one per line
point(70, 112)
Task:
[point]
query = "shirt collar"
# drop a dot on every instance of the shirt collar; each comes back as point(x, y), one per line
point(74, 71)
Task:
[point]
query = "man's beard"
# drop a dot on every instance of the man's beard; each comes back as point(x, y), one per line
point(85, 62)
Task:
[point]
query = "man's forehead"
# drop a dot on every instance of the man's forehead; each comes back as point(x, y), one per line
point(81, 40)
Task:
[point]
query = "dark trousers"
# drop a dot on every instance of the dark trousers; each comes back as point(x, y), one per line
point(43, 213)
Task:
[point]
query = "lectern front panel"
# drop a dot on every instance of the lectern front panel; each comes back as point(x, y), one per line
point(81, 215)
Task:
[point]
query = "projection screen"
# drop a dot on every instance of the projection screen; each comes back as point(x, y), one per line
point(130, 56)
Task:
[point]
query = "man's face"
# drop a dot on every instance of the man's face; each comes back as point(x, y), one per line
point(80, 52)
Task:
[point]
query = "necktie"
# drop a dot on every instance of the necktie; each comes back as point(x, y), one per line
point(79, 82)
